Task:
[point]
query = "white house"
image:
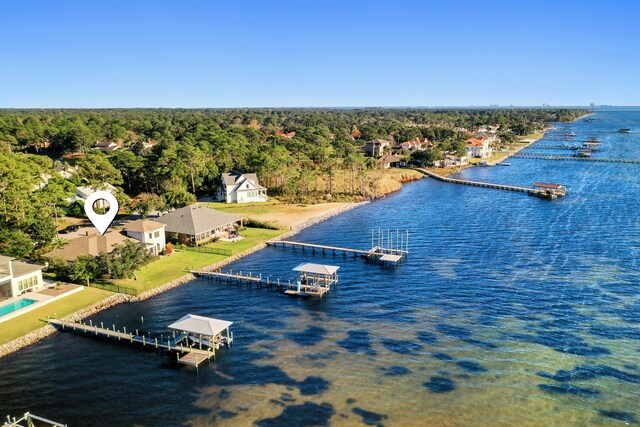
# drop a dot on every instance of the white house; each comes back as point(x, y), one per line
point(82, 192)
point(451, 159)
point(106, 146)
point(149, 232)
point(241, 188)
point(479, 147)
point(18, 277)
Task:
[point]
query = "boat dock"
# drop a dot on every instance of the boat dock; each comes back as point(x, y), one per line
point(536, 191)
point(188, 344)
point(314, 280)
point(584, 159)
point(241, 279)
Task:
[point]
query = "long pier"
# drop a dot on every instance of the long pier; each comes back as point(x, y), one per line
point(242, 279)
point(376, 251)
point(582, 159)
point(186, 355)
point(553, 147)
point(530, 191)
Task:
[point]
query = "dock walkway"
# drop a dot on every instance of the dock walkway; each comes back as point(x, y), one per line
point(324, 248)
point(582, 159)
point(530, 191)
point(186, 355)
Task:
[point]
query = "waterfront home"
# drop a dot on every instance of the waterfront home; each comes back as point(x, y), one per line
point(18, 277)
point(236, 187)
point(149, 232)
point(416, 144)
point(197, 224)
point(390, 160)
point(451, 159)
point(376, 147)
point(479, 147)
point(82, 192)
point(93, 245)
point(106, 146)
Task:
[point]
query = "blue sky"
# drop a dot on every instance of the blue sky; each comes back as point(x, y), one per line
point(318, 53)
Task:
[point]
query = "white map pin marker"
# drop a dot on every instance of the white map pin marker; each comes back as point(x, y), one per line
point(101, 222)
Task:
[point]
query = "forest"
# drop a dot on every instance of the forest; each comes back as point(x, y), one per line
point(167, 158)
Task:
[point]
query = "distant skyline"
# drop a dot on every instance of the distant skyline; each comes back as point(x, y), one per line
point(199, 54)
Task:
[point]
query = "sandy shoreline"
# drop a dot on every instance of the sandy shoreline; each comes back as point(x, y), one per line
point(115, 299)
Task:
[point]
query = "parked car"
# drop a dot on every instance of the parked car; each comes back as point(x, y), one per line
point(69, 229)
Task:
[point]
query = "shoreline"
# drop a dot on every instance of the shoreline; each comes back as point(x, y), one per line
point(45, 331)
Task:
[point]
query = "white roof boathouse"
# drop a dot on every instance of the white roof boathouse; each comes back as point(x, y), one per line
point(315, 280)
point(204, 333)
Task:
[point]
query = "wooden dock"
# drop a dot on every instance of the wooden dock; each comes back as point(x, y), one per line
point(187, 355)
point(376, 251)
point(239, 278)
point(529, 191)
point(582, 159)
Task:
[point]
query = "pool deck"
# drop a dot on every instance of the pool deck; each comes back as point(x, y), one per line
point(42, 297)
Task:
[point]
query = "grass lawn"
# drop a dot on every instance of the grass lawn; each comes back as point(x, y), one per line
point(28, 322)
point(171, 267)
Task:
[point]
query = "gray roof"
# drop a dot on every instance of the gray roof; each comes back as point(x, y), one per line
point(19, 268)
point(5, 259)
point(200, 325)
point(308, 267)
point(233, 177)
point(196, 219)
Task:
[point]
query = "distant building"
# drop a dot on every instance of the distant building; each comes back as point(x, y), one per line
point(479, 147)
point(416, 144)
point(356, 135)
point(236, 187)
point(106, 146)
point(197, 224)
point(82, 192)
point(390, 161)
point(286, 135)
point(376, 147)
point(93, 245)
point(18, 277)
point(149, 232)
point(451, 160)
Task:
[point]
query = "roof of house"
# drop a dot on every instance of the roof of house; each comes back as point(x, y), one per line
point(356, 134)
point(232, 177)
point(142, 225)
point(90, 245)
point(200, 325)
point(5, 259)
point(308, 267)
point(85, 190)
point(477, 142)
point(19, 268)
point(390, 158)
point(196, 219)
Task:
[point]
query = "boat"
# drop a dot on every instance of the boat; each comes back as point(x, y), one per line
point(624, 130)
point(484, 163)
point(504, 164)
point(571, 134)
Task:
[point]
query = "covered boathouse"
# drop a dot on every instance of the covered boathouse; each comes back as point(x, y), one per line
point(550, 191)
point(315, 280)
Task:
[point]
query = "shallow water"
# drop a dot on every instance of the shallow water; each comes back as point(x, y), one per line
point(509, 310)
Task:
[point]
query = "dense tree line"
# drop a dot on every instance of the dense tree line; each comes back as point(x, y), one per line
point(190, 148)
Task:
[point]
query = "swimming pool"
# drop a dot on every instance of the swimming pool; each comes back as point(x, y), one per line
point(16, 305)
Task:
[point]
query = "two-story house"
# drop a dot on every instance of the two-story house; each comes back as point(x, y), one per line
point(151, 233)
point(236, 187)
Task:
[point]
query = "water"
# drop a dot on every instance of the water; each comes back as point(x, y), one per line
point(510, 310)
point(16, 305)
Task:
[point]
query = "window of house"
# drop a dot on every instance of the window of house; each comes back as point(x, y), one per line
point(157, 234)
point(27, 283)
